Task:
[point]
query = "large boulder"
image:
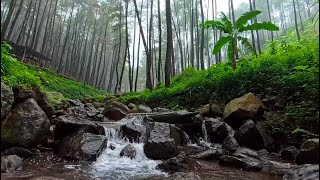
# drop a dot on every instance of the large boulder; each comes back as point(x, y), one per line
point(210, 154)
point(10, 163)
point(160, 145)
point(67, 124)
point(177, 117)
point(84, 111)
point(309, 152)
point(289, 153)
point(179, 136)
point(209, 110)
point(144, 109)
point(248, 136)
point(230, 144)
point(217, 130)
point(82, 146)
point(116, 111)
point(179, 163)
point(26, 125)
point(133, 132)
point(21, 94)
point(244, 158)
point(242, 108)
point(128, 151)
point(6, 100)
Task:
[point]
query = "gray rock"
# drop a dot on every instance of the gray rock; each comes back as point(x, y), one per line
point(133, 132)
point(303, 172)
point(289, 153)
point(309, 152)
point(82, 146)
point(6, 100)
point(184, 176)
point(26, 125)
point(177, 117)
point(217, 130)
point(144, 109)
point(211, 154)
point(230, 144)
point(10, 163)
point(116, 111)
point(21, 152)
point(248, 136)
point(179, 163)
point(160, 110)
point(128, 151)
point(160, 145)
point(180, 137)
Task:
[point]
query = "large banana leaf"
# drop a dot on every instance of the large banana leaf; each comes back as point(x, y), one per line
point(227, 23)
point(222, 41)
point(245, 42)
point(244, 18)
point(214, 24)
point(269, 26)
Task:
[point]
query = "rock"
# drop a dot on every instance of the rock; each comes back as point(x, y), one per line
point(75, 102)
point(193, 130)
point(82, 146)
point(99, 118)
point(6, 100)
point(133, 108)
point(216, 110)
point(112, 146)
point(37, 94)
point(180, 137)
point(211, 154)
point(230, 144)
point(10, 163)
point(21, 152)
point(242, 108)
point(217, 130)
point(184, 176)
point(205, 110)
point(248, 136)
point(91, 110)
point(179, 163)
point(57, 100)
point(160, 145)
point(263, 152)
point(269, 142)
point(26, 125)
point(66, 125)
point(289, 153)
point(242, 158)
point(303, 172)
point(177, 117)
point(144, 109)
point(133, 132)
point(309, 152)
point(46, 178)
point(160, 110)
point(116, 111)
point(128, 151)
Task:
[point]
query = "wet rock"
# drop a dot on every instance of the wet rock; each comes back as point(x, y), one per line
point(75, 102)
point(133, 132)
point(98, 117)
point(244, 158)
point(180, 137)
point(46, 178)
point(144, 109)
point(6, 100)
point(116, 111)
point(160, 110)
point(230, 144)
point(289, 153)
point(263, 152)
point(67, 124)
point(21, 152)
point(37, 94)
point(269, 142)
point(217, 130)
point(242, 108)
point(82, 146)
point(26, 125)
point(216, 110)
point(91, 110)
point(248, 136)
point(160, 145)
point(177, 117)
point(128, 151)
point(10, 163)
point(303, 172)
point(205, 110)
point(179, 163)
point(184, 176)
point(112, 146)
point(309, 152)
point(211, 154)
point(133, 108)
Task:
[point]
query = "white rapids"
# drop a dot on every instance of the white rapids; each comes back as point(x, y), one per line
point(110, 166)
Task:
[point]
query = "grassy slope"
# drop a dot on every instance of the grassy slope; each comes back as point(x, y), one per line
point(288, 69)
point(16, 73)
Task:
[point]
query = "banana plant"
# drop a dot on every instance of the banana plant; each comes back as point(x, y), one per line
point(232, 33)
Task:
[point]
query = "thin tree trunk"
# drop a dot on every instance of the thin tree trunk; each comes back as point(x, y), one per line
point(295, 20)
point(8, 18)
point(202, 38)
point(169, 44)
point(269, 14)
point(257, 32)
point(160, 43)
point(252, 34)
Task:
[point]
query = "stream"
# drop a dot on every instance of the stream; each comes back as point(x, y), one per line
point(110, 166)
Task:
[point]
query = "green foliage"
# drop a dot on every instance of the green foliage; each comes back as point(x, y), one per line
point(290, 72)
point(16, 73)
point(233, 32)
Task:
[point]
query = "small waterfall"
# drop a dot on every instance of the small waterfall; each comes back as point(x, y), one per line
point(111, 166)
point(204, 131)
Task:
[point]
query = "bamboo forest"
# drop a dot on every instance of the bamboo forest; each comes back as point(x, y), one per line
point(159, 89)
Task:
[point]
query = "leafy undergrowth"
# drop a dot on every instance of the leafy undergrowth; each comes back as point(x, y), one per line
point(287, 69)
point(15, 73)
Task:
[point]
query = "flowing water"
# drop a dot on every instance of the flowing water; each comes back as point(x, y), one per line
point(110, 166)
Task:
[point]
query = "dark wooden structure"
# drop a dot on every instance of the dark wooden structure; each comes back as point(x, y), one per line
point(27, 54)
